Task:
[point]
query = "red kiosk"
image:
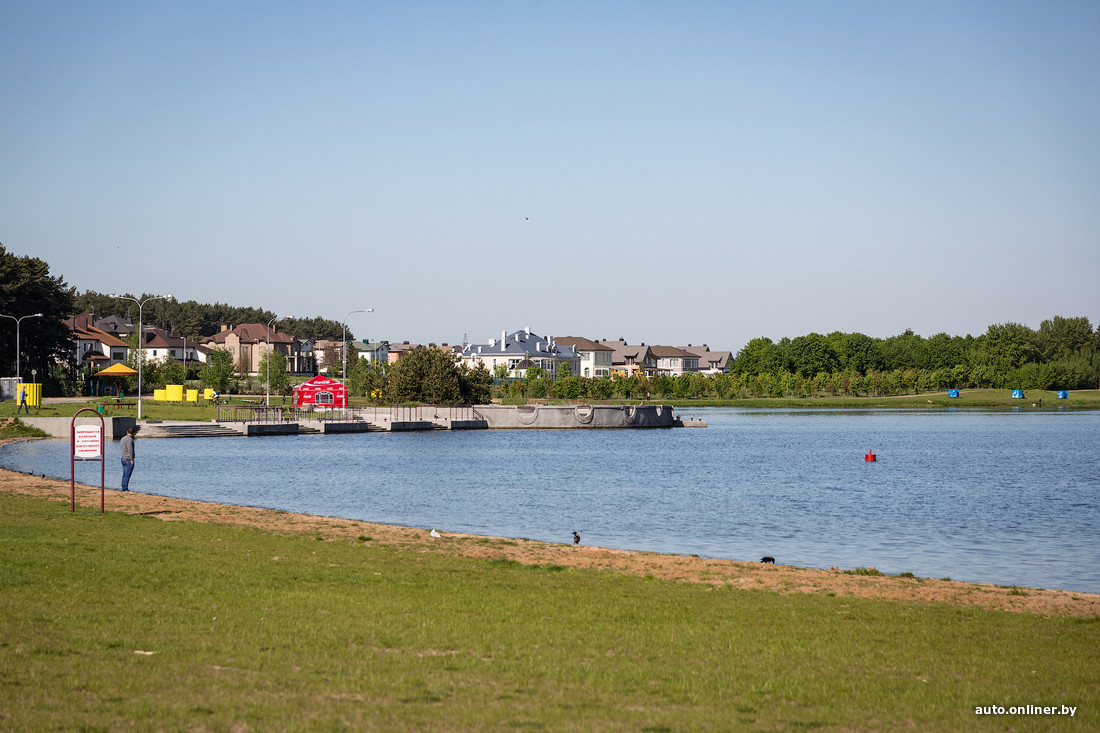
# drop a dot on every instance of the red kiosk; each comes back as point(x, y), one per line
point(321, 391)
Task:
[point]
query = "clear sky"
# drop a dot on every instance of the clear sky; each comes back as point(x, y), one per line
point(666, 172)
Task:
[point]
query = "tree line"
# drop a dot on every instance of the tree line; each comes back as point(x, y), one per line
point(1064, 353)
point(194, 320)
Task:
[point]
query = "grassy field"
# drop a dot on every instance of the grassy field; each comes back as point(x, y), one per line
point(118, 622)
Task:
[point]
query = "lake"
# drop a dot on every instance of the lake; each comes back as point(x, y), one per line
point(1011, 498)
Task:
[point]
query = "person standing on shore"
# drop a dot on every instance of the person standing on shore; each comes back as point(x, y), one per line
point(127, 445)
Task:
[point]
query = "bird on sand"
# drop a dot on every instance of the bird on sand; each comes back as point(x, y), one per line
point(576, 538)
point(436, 534)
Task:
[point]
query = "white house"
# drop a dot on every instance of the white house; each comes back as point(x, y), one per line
point(511, 349)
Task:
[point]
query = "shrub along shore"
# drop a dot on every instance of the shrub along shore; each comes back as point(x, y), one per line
point(163, 613)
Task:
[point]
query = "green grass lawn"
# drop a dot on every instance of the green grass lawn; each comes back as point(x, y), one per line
point(116, 622)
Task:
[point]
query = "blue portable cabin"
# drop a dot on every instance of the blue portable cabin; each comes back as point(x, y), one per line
point(1017, 394)
point(1063, 394)
point(953, 393)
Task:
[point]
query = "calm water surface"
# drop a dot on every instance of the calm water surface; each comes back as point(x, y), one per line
point(1008, 498)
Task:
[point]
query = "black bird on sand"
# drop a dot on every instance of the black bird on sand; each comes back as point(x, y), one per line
point(576, 538)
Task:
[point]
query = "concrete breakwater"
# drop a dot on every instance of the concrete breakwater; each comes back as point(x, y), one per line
point(398, 419)
point(559, 417)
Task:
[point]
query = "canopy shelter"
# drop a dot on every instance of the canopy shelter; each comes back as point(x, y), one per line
point(115, 372)
point(320, 390)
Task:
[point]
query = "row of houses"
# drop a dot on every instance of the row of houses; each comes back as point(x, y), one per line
point(520, 351)
point(101, 343)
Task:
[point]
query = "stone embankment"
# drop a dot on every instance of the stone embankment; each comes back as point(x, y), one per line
point(426, 417)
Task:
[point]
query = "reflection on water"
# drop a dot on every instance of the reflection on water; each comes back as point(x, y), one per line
point(993, 497)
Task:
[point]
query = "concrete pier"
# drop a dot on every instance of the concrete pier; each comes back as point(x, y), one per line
point(555, 417)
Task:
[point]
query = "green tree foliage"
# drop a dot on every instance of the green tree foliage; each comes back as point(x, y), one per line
point(904, 351)
point(1007, 346)
point(426, 374)
point(367, 379)
point(196, 320)
point(172, 372)
point(567, 385)
point(26, 287)
point(856, 351)
point(280, 378)
point(476, 384)
point(218, 370)
point(812, 354)
point(1062, 338)
point(761, 355)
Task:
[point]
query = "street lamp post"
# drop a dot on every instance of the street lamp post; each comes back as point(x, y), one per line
point(344, 345)
point(141, 337)
point(267, 397)
point(19, 320)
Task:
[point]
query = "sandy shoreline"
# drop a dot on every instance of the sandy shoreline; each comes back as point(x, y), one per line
point(747, 575)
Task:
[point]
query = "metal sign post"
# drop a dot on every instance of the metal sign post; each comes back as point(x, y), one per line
point(87, 445)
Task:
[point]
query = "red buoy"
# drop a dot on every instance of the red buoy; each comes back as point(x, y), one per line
point(870, 457)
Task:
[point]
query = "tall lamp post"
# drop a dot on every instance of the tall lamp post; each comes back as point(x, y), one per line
point(344, 344)
point(267, 397)
point(140, 337)
point(17, 322)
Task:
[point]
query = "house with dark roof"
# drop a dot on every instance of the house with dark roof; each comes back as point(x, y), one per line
point(161, 346)
point(94, 347)
point(116, 325)
point(628, 360)
point(513, 348)
point(710, 362)
point(594, 358)
point(674, 361)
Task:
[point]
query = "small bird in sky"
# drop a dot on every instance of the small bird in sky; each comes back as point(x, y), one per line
point(436, 534)
point(576, 538)
point(527, 218)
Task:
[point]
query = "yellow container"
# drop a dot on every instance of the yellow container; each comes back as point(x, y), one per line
point(34, 393)
point(192, 395)
point(208, 393)
point(173, 392)
point(158, 395)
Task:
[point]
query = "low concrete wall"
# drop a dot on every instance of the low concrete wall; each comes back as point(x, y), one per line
point(409, 425)
point(358, 426)
point(59, 427)
point(578, 416)
point(280, 428)
point(467, 425)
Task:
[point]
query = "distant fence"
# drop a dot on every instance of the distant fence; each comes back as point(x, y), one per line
point(374, 414)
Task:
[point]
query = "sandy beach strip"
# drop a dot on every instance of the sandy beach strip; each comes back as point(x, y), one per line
point(682, 568)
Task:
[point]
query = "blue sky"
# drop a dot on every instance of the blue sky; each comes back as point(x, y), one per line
point(692, 172)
